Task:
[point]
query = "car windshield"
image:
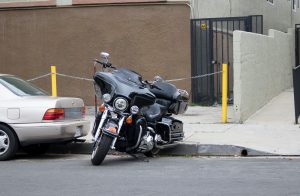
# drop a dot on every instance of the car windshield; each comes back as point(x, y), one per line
point(21, 87)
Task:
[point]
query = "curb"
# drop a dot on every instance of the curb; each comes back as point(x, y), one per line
point(183, 149)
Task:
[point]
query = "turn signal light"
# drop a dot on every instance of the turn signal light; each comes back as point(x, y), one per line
point(112, 129)
point(129, 120)
point(102, 108)
point(54, 114)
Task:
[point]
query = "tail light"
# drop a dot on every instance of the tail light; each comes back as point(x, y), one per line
point(83, 111)
point(54, 114)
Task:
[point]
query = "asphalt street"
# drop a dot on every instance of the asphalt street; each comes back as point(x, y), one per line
point(125, 175)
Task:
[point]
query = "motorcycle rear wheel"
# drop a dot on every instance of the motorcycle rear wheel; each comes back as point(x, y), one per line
point(101, 149)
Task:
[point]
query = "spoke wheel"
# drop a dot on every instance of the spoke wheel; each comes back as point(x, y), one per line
point(4, 142)
point(8, 143)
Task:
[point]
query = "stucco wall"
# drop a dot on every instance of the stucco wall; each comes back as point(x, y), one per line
point(150, 39)
point(262, 69)
point(277, 16)
point(296, 16)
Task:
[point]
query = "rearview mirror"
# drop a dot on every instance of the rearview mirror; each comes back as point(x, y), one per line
point(104, 56)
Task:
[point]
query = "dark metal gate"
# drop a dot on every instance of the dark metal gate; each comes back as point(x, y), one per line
point(296, 74)
point(212, 45)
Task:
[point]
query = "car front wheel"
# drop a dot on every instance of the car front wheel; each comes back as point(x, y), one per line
point(8, 143)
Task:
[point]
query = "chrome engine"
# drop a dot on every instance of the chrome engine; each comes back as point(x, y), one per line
point(147, 143)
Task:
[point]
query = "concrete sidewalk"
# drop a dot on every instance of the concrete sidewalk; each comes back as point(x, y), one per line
point(271, 131)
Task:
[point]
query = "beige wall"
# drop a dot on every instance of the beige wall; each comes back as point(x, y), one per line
point(150, 39)
point(262, 69)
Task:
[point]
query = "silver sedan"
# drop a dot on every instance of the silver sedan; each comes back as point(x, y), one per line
point(31, 119)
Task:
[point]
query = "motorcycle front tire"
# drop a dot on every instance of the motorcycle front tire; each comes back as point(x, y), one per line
point(100, 150)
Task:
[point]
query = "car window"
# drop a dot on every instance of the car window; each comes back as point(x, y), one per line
point(21, 87)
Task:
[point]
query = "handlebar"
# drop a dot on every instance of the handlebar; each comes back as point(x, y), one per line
point(105, 65)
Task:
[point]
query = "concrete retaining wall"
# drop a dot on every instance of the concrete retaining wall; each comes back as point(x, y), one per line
point(262, 69)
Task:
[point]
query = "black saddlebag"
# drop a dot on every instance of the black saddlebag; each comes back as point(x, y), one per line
point(181, 102)
point(170, 129)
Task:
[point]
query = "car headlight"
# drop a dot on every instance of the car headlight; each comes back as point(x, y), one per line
point(120, 104)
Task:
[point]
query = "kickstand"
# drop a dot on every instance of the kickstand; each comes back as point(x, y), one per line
point(140, 157)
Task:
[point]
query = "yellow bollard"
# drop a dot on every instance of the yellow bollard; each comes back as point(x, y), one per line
point(53, 81)
point(224, 92)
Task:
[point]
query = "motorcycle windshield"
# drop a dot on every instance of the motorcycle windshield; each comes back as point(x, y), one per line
point(129, 83)
point(128, 76)
point(121, 82)
point(104, 83)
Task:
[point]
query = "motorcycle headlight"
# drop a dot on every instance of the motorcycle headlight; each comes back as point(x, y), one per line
point(120, 104)
point(106, 98)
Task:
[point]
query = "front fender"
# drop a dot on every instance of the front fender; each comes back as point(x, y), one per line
point(112, 127)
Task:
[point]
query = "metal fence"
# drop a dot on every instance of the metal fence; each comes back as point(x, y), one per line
point(296, 74)
point(212, 45)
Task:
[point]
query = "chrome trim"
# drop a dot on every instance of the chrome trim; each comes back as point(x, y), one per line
point(138, 142)
point(127, 104)
point(119, 129)
point(103, 117)
point(151, 129)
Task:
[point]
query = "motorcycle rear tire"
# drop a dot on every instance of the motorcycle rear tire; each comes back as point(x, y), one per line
point(100, 150)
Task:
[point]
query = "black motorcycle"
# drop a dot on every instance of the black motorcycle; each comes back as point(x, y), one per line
point(135, 116)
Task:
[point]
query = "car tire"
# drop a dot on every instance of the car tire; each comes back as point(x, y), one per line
point(9, 143)
point(37, 149)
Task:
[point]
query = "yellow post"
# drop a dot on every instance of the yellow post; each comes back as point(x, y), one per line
point(224, 92)
point(53, 81)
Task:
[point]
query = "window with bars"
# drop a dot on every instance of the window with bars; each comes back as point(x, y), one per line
point(296, 4)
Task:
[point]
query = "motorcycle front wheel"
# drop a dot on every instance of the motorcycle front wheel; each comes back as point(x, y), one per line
point(101, 149)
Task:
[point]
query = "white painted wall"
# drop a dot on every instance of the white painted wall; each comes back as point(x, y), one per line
point(63, 2)
point(296, 16)
point(277, 16)
point(262, 69)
